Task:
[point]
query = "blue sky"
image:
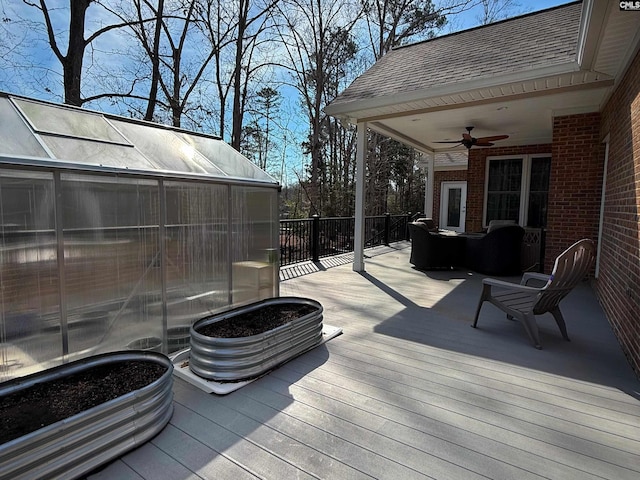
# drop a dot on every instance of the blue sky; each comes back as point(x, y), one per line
point(469, 19)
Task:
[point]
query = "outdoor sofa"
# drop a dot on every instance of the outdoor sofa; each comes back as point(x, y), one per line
point(495, 253)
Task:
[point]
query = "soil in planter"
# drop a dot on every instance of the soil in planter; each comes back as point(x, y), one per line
point(256, 321)
point(49, 402)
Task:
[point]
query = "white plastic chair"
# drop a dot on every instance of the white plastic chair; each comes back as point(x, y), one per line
point(525, 302)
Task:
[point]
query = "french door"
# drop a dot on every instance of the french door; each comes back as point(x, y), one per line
point(453, 205)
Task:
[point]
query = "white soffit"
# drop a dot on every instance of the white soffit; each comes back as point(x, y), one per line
point(618, 42)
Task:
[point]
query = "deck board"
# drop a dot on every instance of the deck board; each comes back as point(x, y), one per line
point(409, 390)
point(511, 409)
point(486, 420)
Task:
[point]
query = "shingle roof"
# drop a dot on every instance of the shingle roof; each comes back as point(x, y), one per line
point(536, 40)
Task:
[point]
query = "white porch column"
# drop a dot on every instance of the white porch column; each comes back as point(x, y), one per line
point(426, 163)
point(428, 189)
point(361, 155)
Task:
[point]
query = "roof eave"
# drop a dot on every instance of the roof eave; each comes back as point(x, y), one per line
point(592, 24)
point(350, 109)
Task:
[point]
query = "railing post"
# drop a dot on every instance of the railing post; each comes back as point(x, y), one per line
point(315, 238)
point(387, 228)
point(543, 247)
point(406, 227)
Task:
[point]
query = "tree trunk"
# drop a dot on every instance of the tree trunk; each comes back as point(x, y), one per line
point(155, 59)
point(237, 74)
point(72, 62)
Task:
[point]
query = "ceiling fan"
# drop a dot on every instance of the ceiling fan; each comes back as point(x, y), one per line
point(469, 141)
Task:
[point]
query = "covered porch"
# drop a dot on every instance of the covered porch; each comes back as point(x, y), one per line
point(409, 390)
point(562, 85)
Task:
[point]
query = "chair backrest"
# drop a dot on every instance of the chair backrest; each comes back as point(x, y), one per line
point(569, 269)
point(418, 230)
point(495, 224)
point(431, 225)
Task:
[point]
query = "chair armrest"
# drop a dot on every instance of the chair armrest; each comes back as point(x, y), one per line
point(541, 277)
point(492, 282)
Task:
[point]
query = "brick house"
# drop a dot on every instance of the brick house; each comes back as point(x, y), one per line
point(564, 85)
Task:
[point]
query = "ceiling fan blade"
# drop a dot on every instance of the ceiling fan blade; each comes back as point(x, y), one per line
point(483, 144)
point(492, 139)
point(451, 141)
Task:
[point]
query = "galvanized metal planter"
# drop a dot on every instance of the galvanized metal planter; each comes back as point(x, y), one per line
point(178, 337)
point(149, 344)
point(233, 359)
point(73, 447)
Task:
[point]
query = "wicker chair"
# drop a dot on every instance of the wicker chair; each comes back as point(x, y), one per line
point(432, 251)
point(524, 302)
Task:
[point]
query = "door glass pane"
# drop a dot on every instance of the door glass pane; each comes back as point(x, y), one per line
point(453, 213)
point(255, 227)
point(112, 262)
point(538, 192)
point(503, 192)
point(197, 251)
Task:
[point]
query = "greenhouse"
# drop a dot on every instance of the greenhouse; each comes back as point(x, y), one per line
point(118, 234)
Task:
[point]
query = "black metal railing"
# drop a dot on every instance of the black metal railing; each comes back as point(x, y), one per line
point(532, 255)
point(316, 237)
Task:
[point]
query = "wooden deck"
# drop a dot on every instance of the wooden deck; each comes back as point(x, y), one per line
point(409, 390)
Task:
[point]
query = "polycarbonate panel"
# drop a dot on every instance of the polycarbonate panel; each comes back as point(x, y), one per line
point(166, 150)
point(30, 332)
point(63, 120)
point(89, 152)
point(226, 158)
point(255, 225)
point(112, 263)
point(197, 241)
point(16, 137)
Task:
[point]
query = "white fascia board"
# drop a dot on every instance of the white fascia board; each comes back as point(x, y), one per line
point(351, 109)
point(592, 23)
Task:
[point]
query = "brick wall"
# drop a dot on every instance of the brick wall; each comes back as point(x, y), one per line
point(476, 177)
point(575, 185)
point(438, 178)
point(618, 283)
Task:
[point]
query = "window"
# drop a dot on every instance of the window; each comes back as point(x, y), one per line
point(538, 192)
point(504, 188)
point(517, 189)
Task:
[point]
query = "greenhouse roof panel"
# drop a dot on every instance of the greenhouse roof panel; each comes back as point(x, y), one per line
point(16, 137)
point(88, 152)
point(69, 122)
point(165, 149)
point(45, 132)
point(226, 158)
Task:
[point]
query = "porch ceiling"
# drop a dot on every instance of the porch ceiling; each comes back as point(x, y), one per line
point(520, 103)
point(527, 118)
